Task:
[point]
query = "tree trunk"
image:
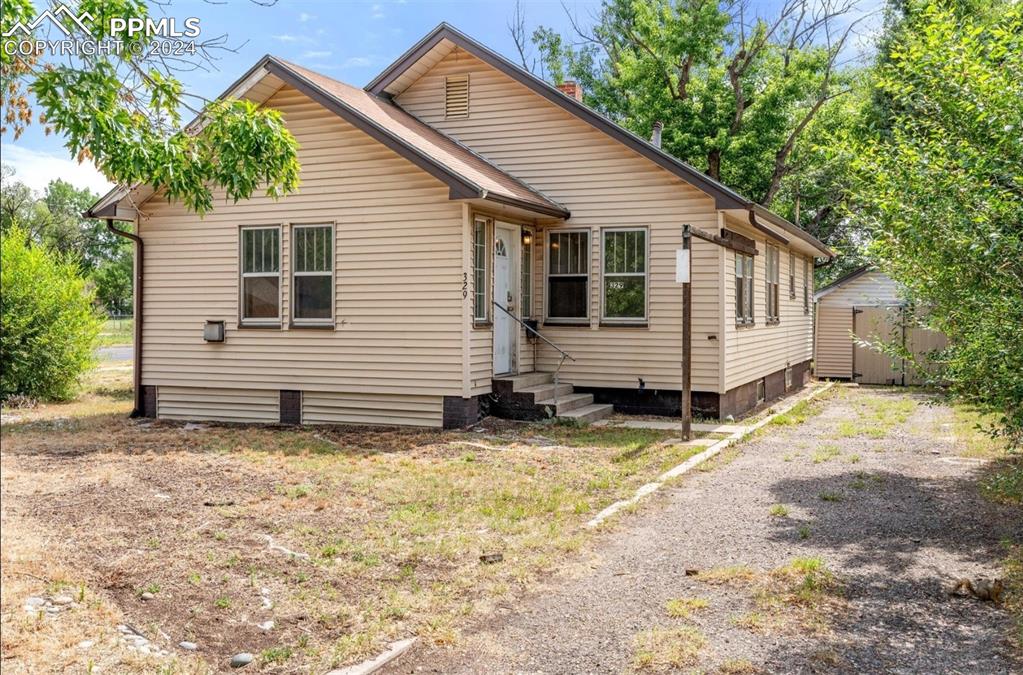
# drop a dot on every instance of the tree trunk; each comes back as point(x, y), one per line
point(714, 164)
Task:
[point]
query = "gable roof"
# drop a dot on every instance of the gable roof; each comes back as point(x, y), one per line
point(843, 280)
point(467, 174)
point(442, 39)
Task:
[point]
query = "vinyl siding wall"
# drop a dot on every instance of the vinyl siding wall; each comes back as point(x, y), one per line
point(833, 353)
point(603, 184)
point(398, 287)
point(752, 352)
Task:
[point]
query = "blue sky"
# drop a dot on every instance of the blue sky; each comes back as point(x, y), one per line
point(350, 41)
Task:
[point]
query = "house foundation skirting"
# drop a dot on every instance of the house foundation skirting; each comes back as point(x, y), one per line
point(460, 413)
point(734, 402)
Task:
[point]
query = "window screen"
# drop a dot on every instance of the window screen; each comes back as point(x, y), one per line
point(261, 273)
point(568, 277)
point(624, 274)
point(313, 273)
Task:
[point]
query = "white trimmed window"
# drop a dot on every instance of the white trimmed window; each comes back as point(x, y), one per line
point(771, 271)
point(624, 274)
point(568, 275)
point(807, 270)
point(743, 289)
point(792, 275)
point(480, 249)
point(261, 275)
point(312, 276)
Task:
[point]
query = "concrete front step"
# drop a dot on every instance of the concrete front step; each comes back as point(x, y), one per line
point(526, 380)
point(542, 392)
point(567, 403)
point(589, 413)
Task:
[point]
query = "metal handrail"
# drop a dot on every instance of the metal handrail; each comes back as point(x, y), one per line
point(533, 330)
point(564, 354)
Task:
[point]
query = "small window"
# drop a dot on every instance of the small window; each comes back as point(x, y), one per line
point(743, 289)
point(261, 274)
point(788, 377)
point(568, 276)
point(480, 246)
point(771, 286)
point(807, 270)
point(792, 276)
point(456, 96)
point(526, 285)
point(624, 275)
point(312, 264)
point(761, 391)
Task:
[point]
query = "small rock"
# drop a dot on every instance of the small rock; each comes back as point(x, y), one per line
point(52, 610)
point(147, 596)
point(85, 644)
point(692, 573)
point(241, 660)
point(62, 600)
point(190, 646)
point(34, 602)
point(491, 558)
point(191, 426)
point(266, 625)
point(124, 629)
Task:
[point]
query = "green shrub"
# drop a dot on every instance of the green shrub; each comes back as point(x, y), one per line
point(49, 321)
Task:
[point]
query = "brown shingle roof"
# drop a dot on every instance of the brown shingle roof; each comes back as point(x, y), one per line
point(408, 133)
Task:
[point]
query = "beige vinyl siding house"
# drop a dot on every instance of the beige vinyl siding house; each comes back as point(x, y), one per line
point(446, 212)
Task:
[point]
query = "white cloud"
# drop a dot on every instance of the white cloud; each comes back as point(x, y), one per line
point(316, 55)
point(305, 16)
point(357, 62)
point(286, 37)
point(36, 169)
point(377, 11)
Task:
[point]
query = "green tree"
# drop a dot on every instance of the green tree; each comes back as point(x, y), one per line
point(113, 279)
point(940, 185)
point(124, 110)
point(49, 321)
point(55, 221)
point(737, 93)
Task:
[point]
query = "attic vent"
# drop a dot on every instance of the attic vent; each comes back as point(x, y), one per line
point(456, 96)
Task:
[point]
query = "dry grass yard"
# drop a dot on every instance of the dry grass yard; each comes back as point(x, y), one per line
point(309, 548)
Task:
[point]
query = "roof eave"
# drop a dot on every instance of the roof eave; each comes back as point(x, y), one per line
point(793, 229)
point(724, 197)
point(842, 281)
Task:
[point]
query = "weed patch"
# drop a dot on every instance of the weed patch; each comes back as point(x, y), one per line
point(683, 608)
point(662, 648)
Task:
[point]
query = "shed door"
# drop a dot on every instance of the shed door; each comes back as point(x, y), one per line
point(877, 324)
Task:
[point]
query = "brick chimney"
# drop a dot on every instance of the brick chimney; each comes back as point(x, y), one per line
point(571, 88)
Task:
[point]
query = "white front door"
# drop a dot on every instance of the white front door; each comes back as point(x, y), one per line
point(505, 240)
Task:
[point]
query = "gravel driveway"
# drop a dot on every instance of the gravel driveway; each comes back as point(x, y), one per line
point(889, 507)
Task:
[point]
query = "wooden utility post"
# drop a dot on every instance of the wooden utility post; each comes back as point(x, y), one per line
point(687, 333)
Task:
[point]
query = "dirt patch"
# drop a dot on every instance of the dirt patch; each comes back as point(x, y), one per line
point(309, 548)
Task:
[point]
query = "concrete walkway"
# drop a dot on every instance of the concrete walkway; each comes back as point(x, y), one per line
point(706, 427)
